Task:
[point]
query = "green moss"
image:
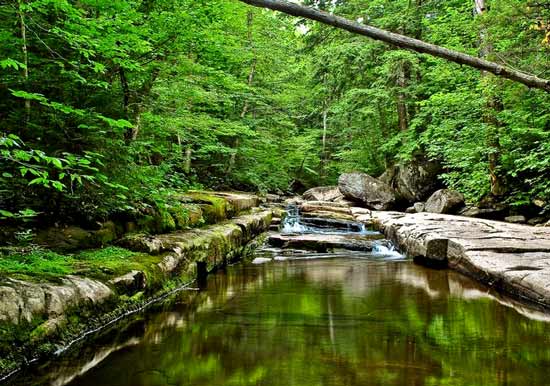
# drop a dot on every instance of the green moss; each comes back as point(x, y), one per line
point(99, 263)
point(215, 209)
point(166, 222)
point(147, 224)
point(37, 263)
point(180, 214)
point(113, 261)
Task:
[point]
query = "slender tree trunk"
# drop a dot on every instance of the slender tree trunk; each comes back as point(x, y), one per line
point(252, 73)
point(324, 156)
point(404, 42)
point(186, 155)
point(250, 81)
point(402, 110)
point(493, 105)
point(187, 165)
point(23, 29)
point(125, 92)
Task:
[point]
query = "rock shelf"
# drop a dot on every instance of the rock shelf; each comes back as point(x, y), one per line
point(508, 257)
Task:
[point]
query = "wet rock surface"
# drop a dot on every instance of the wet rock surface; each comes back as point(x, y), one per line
point(22, 301)
point(323, 242)
point(509, 257)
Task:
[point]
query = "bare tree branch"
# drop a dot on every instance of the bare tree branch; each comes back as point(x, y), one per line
point(402, 41)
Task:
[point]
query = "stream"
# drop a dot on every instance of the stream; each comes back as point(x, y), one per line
point(293, 317)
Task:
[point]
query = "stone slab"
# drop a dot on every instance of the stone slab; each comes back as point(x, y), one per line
point(509, 257)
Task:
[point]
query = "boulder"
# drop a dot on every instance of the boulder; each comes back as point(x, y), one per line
point(131, 282)
point(323, 193)
point(536, 221)
point(368, 190)
point(419, 207)
point(410, 209)
point(487, 213)
point(444, 201)
point(66, 239)
point(413, 181)
point(516, 219)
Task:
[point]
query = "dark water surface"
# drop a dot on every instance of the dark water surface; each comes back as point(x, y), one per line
point(320, 322)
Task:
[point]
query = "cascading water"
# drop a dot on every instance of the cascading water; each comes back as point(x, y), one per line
point(291, 223)
point(294, 223)
point(297, 225)
point(386, 251)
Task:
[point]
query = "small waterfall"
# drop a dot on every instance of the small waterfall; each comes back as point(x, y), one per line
point(291, 223)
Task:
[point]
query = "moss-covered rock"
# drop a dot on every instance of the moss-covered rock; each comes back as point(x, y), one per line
point(180, 214)
point(166, 222)
point(147, 224)
point(106, 234)
point(66, 239)
point(214, 209)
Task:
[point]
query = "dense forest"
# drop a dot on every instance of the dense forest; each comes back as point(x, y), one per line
point(113, 106)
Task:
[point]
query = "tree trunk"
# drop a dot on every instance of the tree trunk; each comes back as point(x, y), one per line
point(250, 19)
point(324, 157)
point(402, 110)
point(403, 41)
point(187, 165)
point(23, 29)
point(493, 105)
point(250, 81)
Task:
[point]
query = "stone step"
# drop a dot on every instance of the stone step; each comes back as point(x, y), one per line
point(324, 242)
point(210, 244)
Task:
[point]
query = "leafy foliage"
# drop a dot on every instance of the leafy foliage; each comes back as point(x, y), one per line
point(111, 106)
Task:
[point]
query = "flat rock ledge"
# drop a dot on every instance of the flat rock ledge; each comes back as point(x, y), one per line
point(51, 303)
point(508, 257)
point(212, 245)
point(324, 242)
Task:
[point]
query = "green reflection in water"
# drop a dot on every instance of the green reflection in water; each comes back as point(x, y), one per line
point(323, 322)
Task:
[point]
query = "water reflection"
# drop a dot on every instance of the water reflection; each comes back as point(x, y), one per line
point(321, 322)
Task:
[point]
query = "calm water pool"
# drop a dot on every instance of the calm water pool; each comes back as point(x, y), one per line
point(319, 322)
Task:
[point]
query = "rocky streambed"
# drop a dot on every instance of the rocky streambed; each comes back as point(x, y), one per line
point(42, 317)
point(510, 258)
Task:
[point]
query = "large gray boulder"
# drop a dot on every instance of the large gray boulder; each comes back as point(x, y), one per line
point(444, 201)
point(413, 181)
point(368, 190)
point(323, 193)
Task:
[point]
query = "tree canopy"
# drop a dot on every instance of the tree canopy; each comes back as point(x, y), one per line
point(111, 106)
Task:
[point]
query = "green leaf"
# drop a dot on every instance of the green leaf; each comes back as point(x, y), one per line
point(57, 163)
point(5, 213)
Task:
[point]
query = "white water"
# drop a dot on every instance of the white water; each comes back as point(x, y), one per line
point(380, 250)
point(292, 224)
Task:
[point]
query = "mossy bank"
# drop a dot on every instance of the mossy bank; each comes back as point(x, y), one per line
point(48, 299)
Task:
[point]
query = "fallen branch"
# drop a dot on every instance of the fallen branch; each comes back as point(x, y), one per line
point(402, 41)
